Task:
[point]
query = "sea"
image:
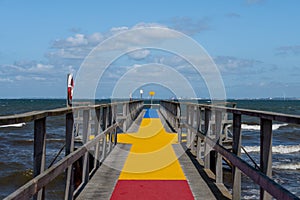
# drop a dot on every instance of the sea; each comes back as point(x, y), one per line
point(16, 145)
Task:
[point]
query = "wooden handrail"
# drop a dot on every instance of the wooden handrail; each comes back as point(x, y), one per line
point(198, 125)
point(40, 181)
point(108, 135)
point(34, 115)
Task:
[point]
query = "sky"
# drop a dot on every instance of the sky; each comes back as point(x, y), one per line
point(255, 45)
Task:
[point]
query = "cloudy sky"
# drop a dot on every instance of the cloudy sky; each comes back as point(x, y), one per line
point(255, 44)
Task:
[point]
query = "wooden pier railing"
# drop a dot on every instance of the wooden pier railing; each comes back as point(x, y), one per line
point(97, 142)
point(204, 126)
point(96, 127)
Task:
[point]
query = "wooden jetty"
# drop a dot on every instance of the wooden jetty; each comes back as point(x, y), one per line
point(175, 151)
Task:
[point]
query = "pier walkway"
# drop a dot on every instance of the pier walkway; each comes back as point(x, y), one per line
point(153, 166)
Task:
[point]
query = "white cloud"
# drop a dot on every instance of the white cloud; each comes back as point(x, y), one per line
point(29, 78)
point(95, 38)
point(78, 39)
point(115, 30)
point(41, 68)
point(236, 65)
point(6, 80)
point(139, 54)
point(288, 50)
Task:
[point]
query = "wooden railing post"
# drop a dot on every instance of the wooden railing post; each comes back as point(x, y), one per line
point(179, 130)
point(199, 139)
point(115, 111)
point(219, 167)
point(97, 121)
point(194, 125)
point(103, 118)
point(97, 132)
point(207, 148)
point(85, 139)
point(39, 151)
point(236, 149)
point(69, 148)
point(265, 152)
point(85, 129)
point(189, 122)
point(125, 113)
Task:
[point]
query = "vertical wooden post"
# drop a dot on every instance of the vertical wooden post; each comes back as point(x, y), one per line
point(207, 134)
point(39, 151)
point(86, 167)
point(265, 152)
point(104, 148)
point(219, 167)
point(190, 123)
point(86, 119)
point(105, 117)
point(125, 113)
point(114, 119)
point(236, 149)
point(85, 138)
point(178, 124)
point(97, 120)
point(97, 131)
point(69, 148)
point(193, 135)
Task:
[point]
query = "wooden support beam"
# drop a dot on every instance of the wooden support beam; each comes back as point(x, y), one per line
point(265, 152)
point(207, 147)
point(219, 167)
point(39, 151)
point(236, 149)
point(125, 113)
point(97, 121)
point(86, 119)
point(194, 125)
point(69, 148)
point(86, 167)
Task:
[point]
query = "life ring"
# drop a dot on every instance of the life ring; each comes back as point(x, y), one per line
point(70, 89)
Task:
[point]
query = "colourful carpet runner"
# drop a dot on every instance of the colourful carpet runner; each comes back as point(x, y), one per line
point(151, 170)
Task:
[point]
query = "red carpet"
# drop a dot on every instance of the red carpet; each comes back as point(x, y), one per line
point(152, 189)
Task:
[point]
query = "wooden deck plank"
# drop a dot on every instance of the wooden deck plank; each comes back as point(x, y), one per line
point(202, 185)
point(104, 180)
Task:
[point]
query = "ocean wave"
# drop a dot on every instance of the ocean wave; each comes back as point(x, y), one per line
point(19, 125)
point(251, 196)
point(289, 166)
point(280, 149)
point(257, 127)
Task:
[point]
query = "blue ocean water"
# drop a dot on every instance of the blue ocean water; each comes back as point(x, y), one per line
point(16, 147)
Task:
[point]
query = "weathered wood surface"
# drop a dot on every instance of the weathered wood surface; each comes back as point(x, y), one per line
point(136, 124)
point(104, 180)
point(202, 186)
point(34, 115)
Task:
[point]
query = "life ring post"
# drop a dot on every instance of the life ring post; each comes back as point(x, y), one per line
point(70, 87)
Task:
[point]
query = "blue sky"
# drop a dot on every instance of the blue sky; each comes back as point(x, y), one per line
point(254, 43)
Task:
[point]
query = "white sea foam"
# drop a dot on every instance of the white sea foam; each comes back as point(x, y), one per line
point(257, 127)
point(281, 149)
point(290, 166)
point(19, 125)
point(251, 196)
